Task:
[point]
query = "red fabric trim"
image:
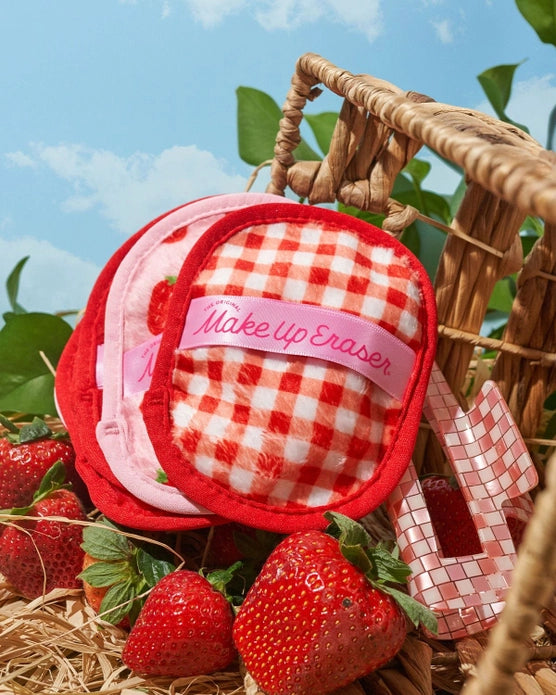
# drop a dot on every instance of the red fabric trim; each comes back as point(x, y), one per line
point(156, 402)
point(81, 400)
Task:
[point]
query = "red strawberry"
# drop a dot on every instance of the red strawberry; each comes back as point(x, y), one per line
point(184, 629)
point(37, 556)
point(223, 550)
point(158, 304)
point(450, 516)
point(234, 542)
point(26, 455)
point(313, 622)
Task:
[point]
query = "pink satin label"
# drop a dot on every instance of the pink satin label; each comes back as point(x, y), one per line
point(138, 364)
point(290, 328)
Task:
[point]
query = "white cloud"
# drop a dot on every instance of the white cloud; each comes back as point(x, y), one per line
point(20, 159)
point(212, 12)
point(443, 30)
point(129, 191)
point(52, 279)
point(290, 14)
point(166, 10)
point(284, 15)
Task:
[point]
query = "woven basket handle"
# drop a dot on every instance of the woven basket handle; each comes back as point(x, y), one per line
point(381, 128)
point(365, 154)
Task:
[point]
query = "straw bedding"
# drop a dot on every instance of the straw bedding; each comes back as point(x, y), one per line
point(58, 645)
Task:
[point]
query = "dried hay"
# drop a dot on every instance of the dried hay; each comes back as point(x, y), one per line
point(56, 644)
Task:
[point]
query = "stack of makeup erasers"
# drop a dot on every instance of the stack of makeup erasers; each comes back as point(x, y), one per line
point(245, 358)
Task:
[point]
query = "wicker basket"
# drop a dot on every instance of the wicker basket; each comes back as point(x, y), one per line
point(509, 176)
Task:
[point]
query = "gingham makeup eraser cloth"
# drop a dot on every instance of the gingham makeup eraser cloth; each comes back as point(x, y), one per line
point(79, 401)
point(291, 376)
point(135, 315)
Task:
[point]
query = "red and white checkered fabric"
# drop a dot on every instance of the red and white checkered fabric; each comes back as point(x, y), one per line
point(294, 433)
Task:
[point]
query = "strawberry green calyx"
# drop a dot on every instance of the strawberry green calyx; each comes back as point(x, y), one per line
point(220, 578)
point(31, 432)
point(126, 569)
point(382, 567)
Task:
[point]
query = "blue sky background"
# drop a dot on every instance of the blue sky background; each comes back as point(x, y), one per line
point(115, 111)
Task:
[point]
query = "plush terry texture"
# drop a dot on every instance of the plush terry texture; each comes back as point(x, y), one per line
point(134, 313)
point(293, 431)
point(266, 435)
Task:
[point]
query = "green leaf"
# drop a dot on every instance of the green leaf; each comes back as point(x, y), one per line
point(102, 573)
point(53, 479)
point(502, 296)
point(370, 217)
point(418, 169)
point(541, 15)
point(103, 542)
point(12, 286)
point(415, 611)
point(152, 568)
point(258, 119)
point(220, 578)
point(550, 402)
point(322, 125)
point(381, 567)
point(527, 243)
point(346, 530)
point(551, 129)
point(410, 239)
point(353, 540)
point(388, 566)
point(26, 383)
point(119, 601)
point(497, 85)
point(550, 431)
point(534, 226)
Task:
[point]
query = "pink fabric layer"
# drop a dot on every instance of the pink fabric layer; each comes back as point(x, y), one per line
point(159, 254)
